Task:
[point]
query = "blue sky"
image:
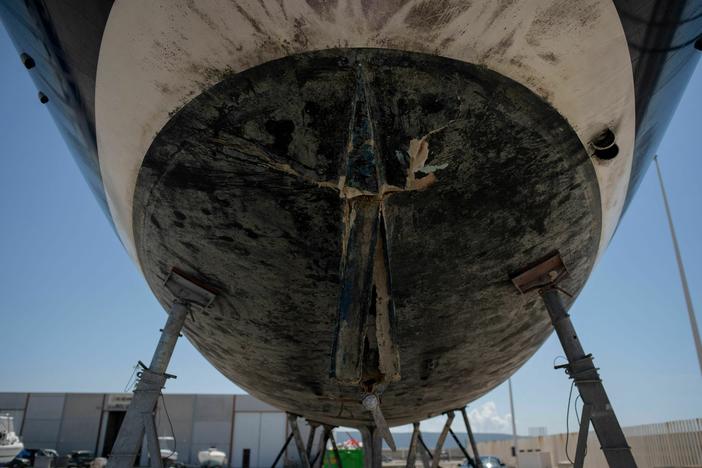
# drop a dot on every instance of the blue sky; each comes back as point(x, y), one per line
point(75, 315)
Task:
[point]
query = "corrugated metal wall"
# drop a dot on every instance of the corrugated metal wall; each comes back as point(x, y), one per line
point(234, 423)
point(42, 419)
point(78, 421)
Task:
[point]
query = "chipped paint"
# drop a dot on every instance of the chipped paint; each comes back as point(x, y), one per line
point(245, 191)
point(385, 322)
point(431, 169)
point(418, 153)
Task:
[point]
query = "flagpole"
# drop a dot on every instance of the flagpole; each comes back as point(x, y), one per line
point(681, 269)
point(515, 445)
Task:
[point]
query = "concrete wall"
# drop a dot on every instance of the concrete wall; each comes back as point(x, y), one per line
point(670, 444)
point(78, 421)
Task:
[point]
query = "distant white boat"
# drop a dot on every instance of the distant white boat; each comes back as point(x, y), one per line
point(10, 444)
point(168, 453)
point(211, 457)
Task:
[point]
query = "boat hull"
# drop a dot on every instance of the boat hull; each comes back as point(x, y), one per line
point(254, 185)
point(276, 149)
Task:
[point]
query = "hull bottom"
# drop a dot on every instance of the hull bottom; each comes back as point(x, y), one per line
point(252, 188)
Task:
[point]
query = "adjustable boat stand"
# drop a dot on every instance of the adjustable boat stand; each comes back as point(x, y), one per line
point(412, 453)
point(139, 419)
point(597, 409)
point(417, 444)
point(429, 460)
point(372, 438)
point(474, 462)
point(306, 459)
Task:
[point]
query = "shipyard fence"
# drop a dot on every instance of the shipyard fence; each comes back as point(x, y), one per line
point(673, 444)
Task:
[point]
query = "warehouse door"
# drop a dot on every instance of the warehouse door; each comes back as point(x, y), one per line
point(114, 422)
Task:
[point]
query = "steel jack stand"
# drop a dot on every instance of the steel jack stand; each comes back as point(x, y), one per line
point(417, 445)
point(597, 409)
point(474, 462)
point(139, 420)
point(372, 446)
point(318, 460)
point(305, 453)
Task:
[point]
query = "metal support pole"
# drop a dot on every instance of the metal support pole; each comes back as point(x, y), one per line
point(318, 459)
point(148, 389)
point(442, 438)
point(681, 270)
point(469, 459)
point(310, 439)
point(336, 451)
point(152, 441)
point(282, 450)
point(412, 452)
point(304, 460)
point(169, 337)
point(581, 448)
point(372, 447)
point(515, 439)
point(471, 438)
point(582, 370)
point(139, 420)
point(425, 452)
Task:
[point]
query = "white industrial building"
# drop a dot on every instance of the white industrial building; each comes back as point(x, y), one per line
point(240, 425)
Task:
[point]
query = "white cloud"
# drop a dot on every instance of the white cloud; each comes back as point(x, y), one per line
point(484, 418)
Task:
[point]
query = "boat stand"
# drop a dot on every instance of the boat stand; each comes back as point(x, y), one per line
point(139, 420)
point(417, 445)
point(432, 461)
point(475, 461)
point(318, 459)
point(372, 438)
point(597, 409)
point(305, 451)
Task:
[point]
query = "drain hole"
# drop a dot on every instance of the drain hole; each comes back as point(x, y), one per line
point(27, 61)
point(609, 153)
point(604, 145)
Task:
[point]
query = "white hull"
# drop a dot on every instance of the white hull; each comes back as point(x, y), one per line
point(212, 457)
point(9, 452)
